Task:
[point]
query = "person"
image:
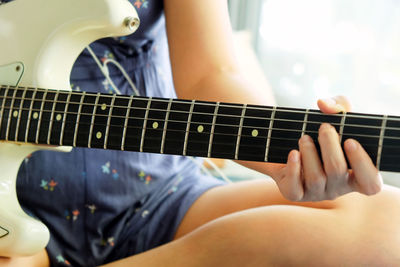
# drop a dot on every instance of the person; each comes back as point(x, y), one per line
point(138, 209)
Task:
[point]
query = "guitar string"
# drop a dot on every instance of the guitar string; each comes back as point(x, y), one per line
point(203, 103)
point(279, 148)
point(262, 137)
point(234, 127)
point(348, 115)
point(17, 107)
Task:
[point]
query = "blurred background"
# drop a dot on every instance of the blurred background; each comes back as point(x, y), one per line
point(309, 49)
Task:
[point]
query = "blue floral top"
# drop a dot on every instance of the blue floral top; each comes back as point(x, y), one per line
point(103, 205)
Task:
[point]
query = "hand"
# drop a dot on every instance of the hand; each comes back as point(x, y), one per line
point(306, 178)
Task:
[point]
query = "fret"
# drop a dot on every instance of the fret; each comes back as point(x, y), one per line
point(78, 116)
point(126, 123)
point(365, 130)
point(52, 117)
point(3, 103)
point(40, 118)
point(315, 119)
point(10, 113)
point(285, 134)
point(342, 123)
point(65, 118)
point(154, 125)
point(29, 120)
point(380, 144)
point(56, 118)
point(109, 121)
point(134, 129)
point(212, 129)
point(226, 127)
point(100, 121)
point(390, 156)
point(21, 106)
point(33, 130)
point(239, 134)
point(200, 128)
point(84, 121)
point(117, 122)
point(92, 119)
point(304, 123)
point(271, 125)
point(177, 127)
point(47, 106)
point(254, 133)
point(185, 142)
point(144, 124)
point(165, 126)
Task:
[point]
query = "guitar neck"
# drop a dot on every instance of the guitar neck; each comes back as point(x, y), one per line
point(183, 127)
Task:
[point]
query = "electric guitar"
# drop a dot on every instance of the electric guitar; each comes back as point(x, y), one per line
point(38, 53)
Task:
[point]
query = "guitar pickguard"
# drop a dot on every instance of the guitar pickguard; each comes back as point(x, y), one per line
point(11, 74)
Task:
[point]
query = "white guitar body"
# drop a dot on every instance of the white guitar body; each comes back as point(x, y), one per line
point(39, 42)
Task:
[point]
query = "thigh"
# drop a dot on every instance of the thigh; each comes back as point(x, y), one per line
point(361, 234)
point(236, 197)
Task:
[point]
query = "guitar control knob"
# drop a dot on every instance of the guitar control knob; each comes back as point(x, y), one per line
point(132, 23)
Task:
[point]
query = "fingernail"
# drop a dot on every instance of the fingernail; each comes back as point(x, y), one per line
point(332, 102)
point(294, 157)
point(329, 101)
point(351, 145)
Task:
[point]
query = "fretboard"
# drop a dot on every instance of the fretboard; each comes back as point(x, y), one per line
point(183, 127)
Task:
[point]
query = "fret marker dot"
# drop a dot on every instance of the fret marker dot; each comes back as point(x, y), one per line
point(15, 113)
point(200, 128)
point(58, 117)
point(155, 125)
point(35, 115)
point(254, 133)
point(103, 106)
point(98, 135)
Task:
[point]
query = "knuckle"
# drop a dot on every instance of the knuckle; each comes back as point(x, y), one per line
point(315, 183)
point(373, 188)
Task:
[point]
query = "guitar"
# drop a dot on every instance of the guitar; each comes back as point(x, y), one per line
point(30, 113)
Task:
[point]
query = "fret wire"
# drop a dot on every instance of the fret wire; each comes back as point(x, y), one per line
point(271, 124)
point(165, 126)
point(3, 105)
point(64, 118)
point(78, 117)
point(51, 117)
point(272, 138)
point(264, 128)
point(342, 122)
point(212, 130)
point(19, 114)
point(227, 115)
point(10, 112)
point(380, 144)
point(146, 115)
point(348, 115)
point(188, 127)
point(40, 117)
point(108, 122)
point(28, 125)
point(126, 123)
point(304, 123)
point(240, 131)
point(92, 120)
point(267, 108)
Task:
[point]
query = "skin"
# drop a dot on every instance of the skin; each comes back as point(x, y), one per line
point(258, 223)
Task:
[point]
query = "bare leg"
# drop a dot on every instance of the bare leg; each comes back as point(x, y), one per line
point(354, 230)
point(250, 224)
